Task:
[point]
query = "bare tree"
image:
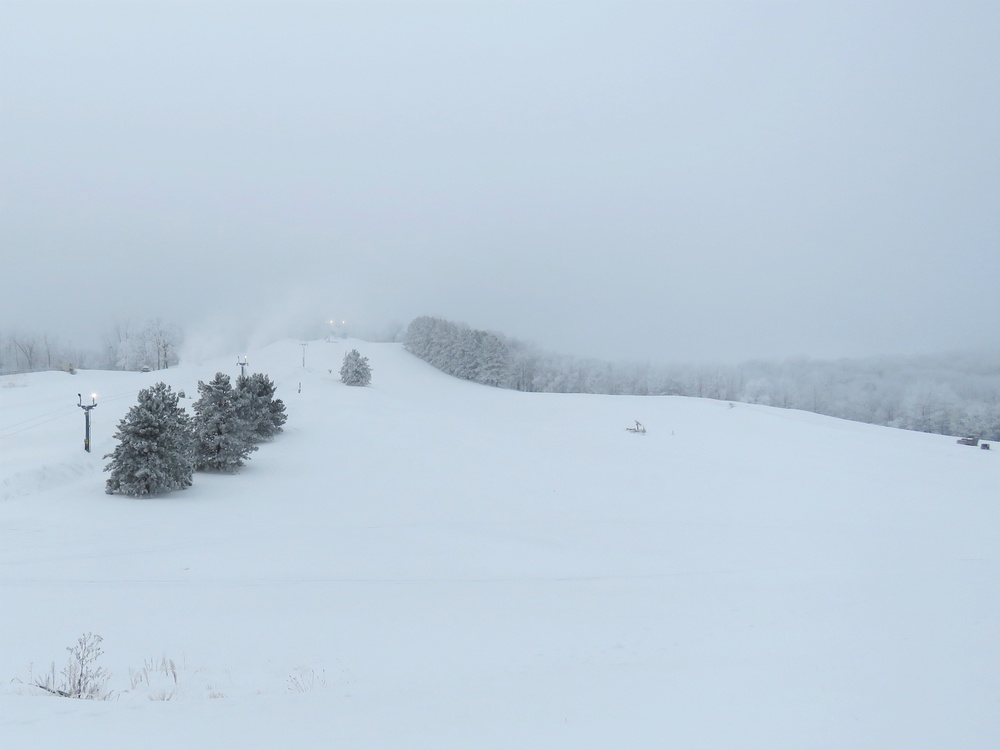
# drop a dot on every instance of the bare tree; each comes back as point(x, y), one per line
point(165, 339)
point(49, 343)
point(26, 346)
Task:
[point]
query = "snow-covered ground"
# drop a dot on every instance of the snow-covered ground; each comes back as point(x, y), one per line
point(428, 563)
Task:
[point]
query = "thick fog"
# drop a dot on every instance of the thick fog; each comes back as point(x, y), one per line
point(666, 181)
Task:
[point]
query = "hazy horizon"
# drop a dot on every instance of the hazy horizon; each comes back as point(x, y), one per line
point(671, 182)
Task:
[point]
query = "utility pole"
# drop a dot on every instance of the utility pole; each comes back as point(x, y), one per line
point(243, 365)
point(304, 345)
point(86, 411)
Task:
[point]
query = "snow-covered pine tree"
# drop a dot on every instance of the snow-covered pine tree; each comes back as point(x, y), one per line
point(417, 340)
point(265, 413)
point(494, 366)
point(155, 451)
point(467, 359)
point(276, 410)
point(355, 369)
point(223, 441)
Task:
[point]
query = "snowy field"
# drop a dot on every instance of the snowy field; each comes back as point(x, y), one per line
point(428, 563)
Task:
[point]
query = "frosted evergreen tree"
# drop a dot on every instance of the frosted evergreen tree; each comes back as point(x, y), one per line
point(276, 412)
point(223, 439)
point(355, 369)
point(155, 451)
point(257, 404)
point(494, 367)
point(466, 362)
point(418, 337)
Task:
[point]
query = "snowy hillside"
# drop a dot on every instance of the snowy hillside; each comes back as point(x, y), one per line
point(429, 563)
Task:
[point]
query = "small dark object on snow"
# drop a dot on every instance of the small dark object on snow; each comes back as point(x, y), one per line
point(985, 446)
point(968, 441)
point(638, 428)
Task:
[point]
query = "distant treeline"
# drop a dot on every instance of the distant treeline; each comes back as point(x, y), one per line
point(127, 345)
point(954, 394)
point(466, 353)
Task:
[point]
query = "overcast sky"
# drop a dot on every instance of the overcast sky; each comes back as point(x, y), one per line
point(671, 181)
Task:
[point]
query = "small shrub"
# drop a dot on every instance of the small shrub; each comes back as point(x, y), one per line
point(306, 680)
point(142, 675)
point(81, 677)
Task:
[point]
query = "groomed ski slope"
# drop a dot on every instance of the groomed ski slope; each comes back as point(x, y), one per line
point(429, 563)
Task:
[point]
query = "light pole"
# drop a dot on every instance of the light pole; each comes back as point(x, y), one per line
point(337, 328)
point(86, 411)
point(243, 365)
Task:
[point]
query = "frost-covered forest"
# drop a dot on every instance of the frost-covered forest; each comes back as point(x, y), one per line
point(951, 394)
